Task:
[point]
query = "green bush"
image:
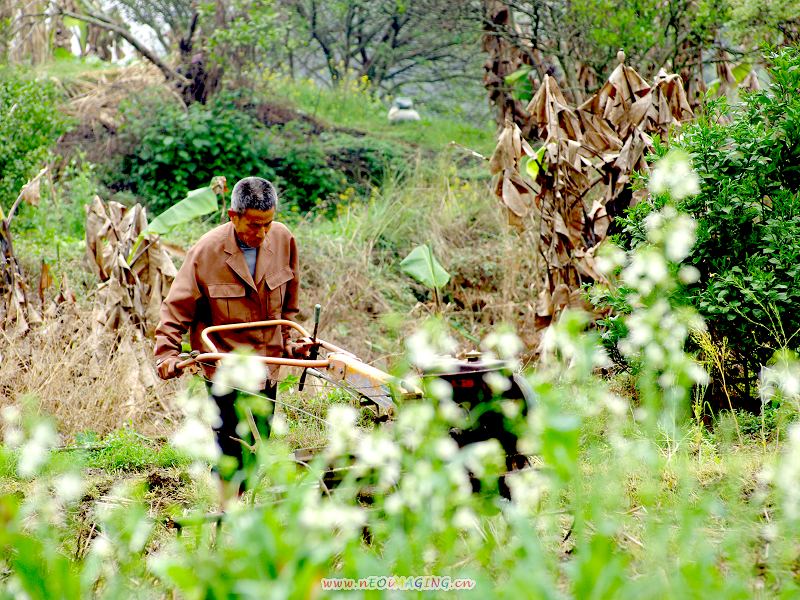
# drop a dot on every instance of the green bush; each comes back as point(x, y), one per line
point(332, 169)
point(748, 214)
point(304, 178)
point(174, 150)
point(30, 125)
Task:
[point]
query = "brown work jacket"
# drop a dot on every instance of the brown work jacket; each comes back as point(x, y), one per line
point(214, 287)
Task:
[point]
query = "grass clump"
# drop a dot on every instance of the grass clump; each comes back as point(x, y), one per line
point(127, 450)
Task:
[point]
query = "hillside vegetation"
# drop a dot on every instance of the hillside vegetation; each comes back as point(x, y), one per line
point(656, 449)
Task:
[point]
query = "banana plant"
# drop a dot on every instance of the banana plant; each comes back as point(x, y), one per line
point(421, 265)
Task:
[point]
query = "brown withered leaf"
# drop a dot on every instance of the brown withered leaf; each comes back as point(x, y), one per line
point(45, 281)
point(31, 192)
point(134, 279)
point(550, 114)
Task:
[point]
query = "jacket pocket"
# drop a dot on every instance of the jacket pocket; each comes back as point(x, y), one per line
point(278, 278)
point(227, 302)
point(276, 283)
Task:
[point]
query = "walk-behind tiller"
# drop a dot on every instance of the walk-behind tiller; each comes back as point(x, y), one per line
point(381, 392)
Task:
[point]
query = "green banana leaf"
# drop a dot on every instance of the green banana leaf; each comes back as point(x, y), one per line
point(423, 266)
point(197, 203)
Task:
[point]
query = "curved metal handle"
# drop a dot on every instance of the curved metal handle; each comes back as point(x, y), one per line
point(322, 363)
point(263, 324)
point(249, 325)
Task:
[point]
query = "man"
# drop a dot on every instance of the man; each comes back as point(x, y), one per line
point(244, 270)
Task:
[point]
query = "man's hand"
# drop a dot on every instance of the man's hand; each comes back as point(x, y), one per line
point(300, 348)
point(168, 367)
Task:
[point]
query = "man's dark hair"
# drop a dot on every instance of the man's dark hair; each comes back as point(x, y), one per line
point(255, 193)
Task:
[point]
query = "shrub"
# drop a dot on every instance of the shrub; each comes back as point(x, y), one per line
point(176, 150)
point(30, 125)
point(748, 214)
point(304, 178)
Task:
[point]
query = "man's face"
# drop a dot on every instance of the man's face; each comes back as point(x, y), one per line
point(252, 225)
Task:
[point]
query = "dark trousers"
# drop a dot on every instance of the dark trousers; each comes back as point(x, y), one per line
point(230, 409)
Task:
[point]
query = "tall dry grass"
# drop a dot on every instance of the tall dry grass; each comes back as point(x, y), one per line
point(351, 264)
point(86, 381)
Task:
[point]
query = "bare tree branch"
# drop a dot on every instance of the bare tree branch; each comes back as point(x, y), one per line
point(103, 22)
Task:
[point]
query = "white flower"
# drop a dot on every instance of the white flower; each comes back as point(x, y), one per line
point(68, 487)
point(465, 519)
point(412, 423)
point(11, 414)
point(420, 351)
point(14, 437)
point(680, 238)
point(200, 406)
point(527, 487)
point(510, 408)
point(35, 452)
point(342, 427)
point(481, 456)
point(674, 174)
point(427, 348)
point(102, 547)
point(451, 412)
point(506, 344)
point(688, 274)
point(446, 448)
point(609, 257)
point(440, 389)
point(239, 371)
point(393, 504)
point(615, 405)
point(646, 270)
point(197, 439)
point(787, 474)
point(497, 382)
point(377, 449)
point(279, 426)
point(331, 516)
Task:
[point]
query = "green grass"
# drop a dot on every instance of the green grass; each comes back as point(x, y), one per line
point(126, 450)
point(352, 106)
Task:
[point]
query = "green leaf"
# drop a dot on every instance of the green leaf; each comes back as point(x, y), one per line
point(63, 54)
point(741, 71)
point(517, 75)
point(197, 203)
point(423, 266)
point(535, 163)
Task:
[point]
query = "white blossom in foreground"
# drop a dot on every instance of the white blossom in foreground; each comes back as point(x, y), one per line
point(426, 348)
point(677, 232)
point(673, 174)
point(343, 432)
point(609, 258)
point(787, 474)
point(195, 436)
point(527, 488)
point(36, 450)
point(330, 516)
point(377, 451)
point(412, 424)
point(69, 487)
point(497, 382)
point(782, 377)
point(239, 372)
point(505, 344)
